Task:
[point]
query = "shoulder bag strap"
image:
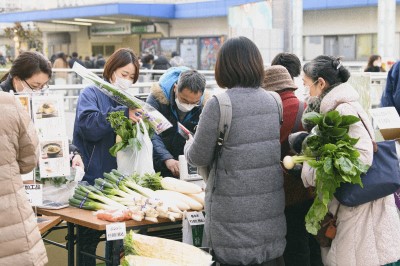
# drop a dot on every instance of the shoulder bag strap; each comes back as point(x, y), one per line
point(278, 101)
point(298, 117)
point(374, 145)
point(225, 108)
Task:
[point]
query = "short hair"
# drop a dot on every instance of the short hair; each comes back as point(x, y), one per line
point(192, 80)
point(371, 60)
point(290, 61)
point(239, 63)
point(74, 54)
point(327, 67)
point(175, 53)
point(147, 58)
point(29, 63)
point(121, 58)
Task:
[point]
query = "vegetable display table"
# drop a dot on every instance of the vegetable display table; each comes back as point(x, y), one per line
point(47, 222)
point(74, 217)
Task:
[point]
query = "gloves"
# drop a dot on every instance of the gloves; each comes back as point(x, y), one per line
point(296, 141)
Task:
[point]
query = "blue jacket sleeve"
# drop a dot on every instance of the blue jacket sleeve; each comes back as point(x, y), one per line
point(160, 152)
point(92, 115)
point(391, 94)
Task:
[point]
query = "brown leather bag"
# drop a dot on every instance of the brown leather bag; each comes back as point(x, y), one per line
point(327, 232)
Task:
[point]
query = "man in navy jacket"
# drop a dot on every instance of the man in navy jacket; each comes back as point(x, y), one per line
point(391, 94)
point(179, 96)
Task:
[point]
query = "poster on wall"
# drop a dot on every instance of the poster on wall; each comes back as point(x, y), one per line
point(167, 46)
point(209, 47)
point(150, 46)
point(189, 52)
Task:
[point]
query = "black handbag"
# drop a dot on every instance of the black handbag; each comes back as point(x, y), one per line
point(381, 179)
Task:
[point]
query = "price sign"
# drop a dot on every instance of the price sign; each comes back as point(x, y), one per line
point(195, 218)
point(34, 193)
point(115, 231)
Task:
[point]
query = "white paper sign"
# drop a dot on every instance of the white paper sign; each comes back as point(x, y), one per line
point(34, 193)
point(54, 157)
point(28, 176)
point(385, 117)
point(195, 218)
point(49, 116)
point(115, 231)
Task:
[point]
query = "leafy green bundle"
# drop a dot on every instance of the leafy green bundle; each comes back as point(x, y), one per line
point(126, 130)
point(335, 159)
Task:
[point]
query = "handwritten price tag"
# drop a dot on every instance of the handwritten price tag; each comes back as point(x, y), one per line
point(195, 218)
point(34, 193)
point(115, 231)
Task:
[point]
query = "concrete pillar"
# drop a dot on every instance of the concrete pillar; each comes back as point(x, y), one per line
point(287, 15)
point(297, 28)
point(386, 28)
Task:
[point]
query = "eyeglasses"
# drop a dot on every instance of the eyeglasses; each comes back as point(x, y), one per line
point(43, 87)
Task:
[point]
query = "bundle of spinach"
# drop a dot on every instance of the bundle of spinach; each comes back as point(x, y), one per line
point(330, 150)
point(126, 130)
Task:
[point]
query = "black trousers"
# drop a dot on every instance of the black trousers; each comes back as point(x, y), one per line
point(275, 262)
point(301, 247)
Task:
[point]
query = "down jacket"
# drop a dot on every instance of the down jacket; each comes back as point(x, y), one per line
point(244, 203)
point(20, 240)
point(367, 235)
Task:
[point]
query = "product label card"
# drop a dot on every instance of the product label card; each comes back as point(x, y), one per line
point(115, 231)
point(195, 218)
point(34, 192)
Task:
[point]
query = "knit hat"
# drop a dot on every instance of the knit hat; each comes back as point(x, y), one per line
point(277, 78)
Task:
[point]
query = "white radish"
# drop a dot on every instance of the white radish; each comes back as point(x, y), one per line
point(199, 197)
point(172, 203)
point(177, 185)
point(193, 204)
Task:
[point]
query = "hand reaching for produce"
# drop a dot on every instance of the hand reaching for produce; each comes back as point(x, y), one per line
point(135, 115)
point(173, 166)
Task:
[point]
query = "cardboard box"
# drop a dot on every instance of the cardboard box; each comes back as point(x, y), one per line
point(388, 122)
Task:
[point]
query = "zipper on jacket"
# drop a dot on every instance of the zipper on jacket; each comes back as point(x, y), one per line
point(90, 159)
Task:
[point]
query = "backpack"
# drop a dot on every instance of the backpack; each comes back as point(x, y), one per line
point(225, 108)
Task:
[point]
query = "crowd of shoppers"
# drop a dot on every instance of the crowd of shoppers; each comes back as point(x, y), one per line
point(255, 211)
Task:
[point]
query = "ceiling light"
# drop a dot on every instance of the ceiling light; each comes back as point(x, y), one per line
point(94, 21)
point(122, 19)
point(72, 22)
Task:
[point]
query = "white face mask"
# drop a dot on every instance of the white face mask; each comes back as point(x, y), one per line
point(27, 90)
point(377, 64)
point(122, 83)
point(184, 107)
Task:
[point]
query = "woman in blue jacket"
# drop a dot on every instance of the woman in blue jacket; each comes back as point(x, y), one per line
point(93, 134)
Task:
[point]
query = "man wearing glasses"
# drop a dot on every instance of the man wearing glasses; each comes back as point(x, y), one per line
point(179, 96)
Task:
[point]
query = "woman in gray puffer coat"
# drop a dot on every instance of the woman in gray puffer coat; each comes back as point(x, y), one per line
point(245, 222)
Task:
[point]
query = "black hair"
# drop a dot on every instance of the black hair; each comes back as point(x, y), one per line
point(290, 61)
point(27, 64)
point(192, 80)
point(329, 68)
point(239, 63)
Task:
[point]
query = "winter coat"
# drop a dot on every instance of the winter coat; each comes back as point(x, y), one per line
point(244, 204)
point(93, 134)
point(367, 235)
point(7, 85)
point(391, 94)
point(20, 241)
point(169, 144)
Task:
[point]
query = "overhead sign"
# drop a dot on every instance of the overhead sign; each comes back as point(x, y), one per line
point(135, 28)
point(107, 29)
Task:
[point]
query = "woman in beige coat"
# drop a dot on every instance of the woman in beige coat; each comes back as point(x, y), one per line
point(20, 240)
point(369, 234)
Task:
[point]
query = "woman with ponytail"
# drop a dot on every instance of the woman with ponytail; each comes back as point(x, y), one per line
point(368, 234)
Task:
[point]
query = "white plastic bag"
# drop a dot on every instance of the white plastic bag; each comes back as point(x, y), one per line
point(59, 194)
point(130, 160)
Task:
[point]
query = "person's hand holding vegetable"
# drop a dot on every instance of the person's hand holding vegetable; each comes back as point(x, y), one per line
point(135, 114)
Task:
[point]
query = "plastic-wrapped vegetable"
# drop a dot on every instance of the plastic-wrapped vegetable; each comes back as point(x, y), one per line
point(156, 120)
point(133, 260)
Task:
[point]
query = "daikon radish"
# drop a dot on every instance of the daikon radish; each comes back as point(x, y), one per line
point(193, 204)
point(177, 185)
point(172, 203)
point(199, 197)
point(134, 260)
